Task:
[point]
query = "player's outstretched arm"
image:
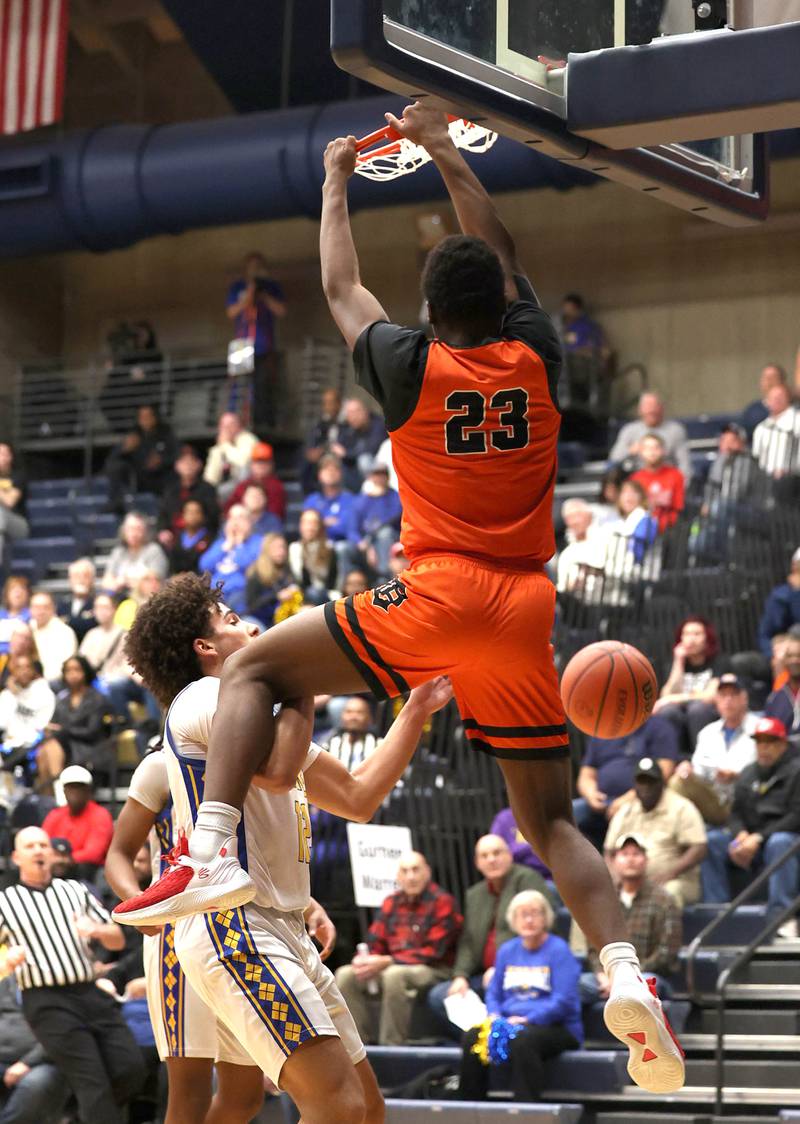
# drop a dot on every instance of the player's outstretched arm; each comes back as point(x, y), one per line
point(352, 306)
point(130, 835)
point(358, 795)
point(475, 210)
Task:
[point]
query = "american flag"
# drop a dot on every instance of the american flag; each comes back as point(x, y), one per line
point(33, 39)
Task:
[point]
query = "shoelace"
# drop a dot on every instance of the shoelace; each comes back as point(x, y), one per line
point(180, 849)
point(651, 983)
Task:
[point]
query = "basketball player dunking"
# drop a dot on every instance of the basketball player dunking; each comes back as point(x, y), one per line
point(474, 424)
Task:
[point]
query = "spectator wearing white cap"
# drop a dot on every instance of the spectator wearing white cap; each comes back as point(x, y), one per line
point(82, 821)
point(723, 749)
point(652, 919)
point(764, 825)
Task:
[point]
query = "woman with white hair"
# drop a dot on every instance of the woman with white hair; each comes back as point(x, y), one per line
point(533, 1005)
point(134, 556)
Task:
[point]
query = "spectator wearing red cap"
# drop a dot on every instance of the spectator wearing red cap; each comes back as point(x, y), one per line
point(83, 822)
point(262, 473)
point(764, 824)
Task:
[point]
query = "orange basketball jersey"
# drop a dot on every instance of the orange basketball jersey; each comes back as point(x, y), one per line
point(473, 433)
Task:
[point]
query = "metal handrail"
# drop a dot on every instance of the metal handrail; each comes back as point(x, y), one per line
point(743, 958)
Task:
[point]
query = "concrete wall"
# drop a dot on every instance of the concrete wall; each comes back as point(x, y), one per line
point(701, 306)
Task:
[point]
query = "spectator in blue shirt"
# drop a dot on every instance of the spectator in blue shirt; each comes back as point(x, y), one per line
point(532, 1003)
point(335, 505)
point(230, 555)
point(375, 520)
point(253, 303)
point(605, 779)
point(781, 609)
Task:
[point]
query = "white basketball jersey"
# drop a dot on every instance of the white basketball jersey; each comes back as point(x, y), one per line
point(274, 838)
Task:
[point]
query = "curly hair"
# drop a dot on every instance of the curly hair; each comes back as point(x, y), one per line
point(160, 643)
point(463, 282)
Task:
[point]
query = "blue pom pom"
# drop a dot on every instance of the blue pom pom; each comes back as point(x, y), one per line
point(500, 1037)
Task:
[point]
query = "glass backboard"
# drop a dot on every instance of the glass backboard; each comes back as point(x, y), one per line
point(506, 63)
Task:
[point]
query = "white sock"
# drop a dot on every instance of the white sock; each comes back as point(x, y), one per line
point(620, 961)
point(214, 826)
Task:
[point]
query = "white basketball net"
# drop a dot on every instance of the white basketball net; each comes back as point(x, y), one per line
point(401, 157)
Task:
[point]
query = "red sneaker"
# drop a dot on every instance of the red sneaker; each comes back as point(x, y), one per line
point(188, 887)
point(634, 1015)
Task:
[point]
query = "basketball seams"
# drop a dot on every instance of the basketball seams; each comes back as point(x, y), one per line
point(623, 656)
point(587, 685)
point(647, 667)
point(585, 671)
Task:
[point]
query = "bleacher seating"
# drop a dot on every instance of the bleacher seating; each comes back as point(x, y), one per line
point(450, 795)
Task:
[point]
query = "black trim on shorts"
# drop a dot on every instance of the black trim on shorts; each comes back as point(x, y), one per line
point(520, 753)
point(338, 634)
point(516, 731)
point(373, 653)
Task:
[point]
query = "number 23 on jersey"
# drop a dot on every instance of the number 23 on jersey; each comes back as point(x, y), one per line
point(464, 432)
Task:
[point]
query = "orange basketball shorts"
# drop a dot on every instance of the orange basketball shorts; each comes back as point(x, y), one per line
point(487, 628)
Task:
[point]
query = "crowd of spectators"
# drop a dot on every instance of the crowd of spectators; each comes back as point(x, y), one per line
point(689, 808)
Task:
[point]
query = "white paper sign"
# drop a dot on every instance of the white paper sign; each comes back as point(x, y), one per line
point(465, 1010)
point(375, 853)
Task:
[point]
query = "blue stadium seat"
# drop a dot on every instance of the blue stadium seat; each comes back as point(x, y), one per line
point(51, 525)
point(598, 1071)
point(464, 1112)
point(480, 1112)
point(44, 551)
point(740, 928)
point(571, 454)
point(99, 525)
point(64, 486)
point(706, 425)
point(23, 568)
point(144, 502)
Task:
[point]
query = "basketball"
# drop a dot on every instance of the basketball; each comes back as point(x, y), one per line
point(608, 689)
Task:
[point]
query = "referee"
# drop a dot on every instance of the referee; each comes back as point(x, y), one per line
point(48, 922)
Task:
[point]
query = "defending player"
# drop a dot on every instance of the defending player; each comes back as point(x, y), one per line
point(474, 424)
point(256, 967)
point(189, 1037)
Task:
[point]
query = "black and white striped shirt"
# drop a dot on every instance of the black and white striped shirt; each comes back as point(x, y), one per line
point(43, 923)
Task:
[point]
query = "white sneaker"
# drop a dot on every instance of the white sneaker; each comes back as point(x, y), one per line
point(187, 887)
point(787, 931)
point(633, 1014)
